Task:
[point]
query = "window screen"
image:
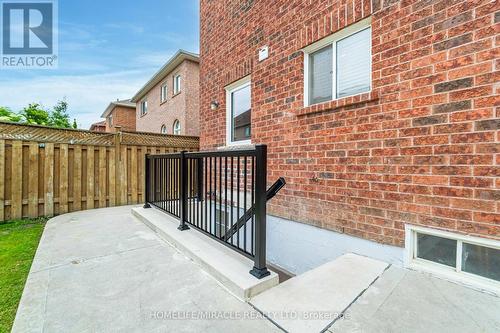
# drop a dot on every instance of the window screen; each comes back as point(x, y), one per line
point(320, 75)
point(353, 64)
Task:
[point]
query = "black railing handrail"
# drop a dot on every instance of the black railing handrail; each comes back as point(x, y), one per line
point(201, 154)
point(174, 171)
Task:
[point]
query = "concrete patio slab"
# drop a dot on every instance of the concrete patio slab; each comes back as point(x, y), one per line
point(311, 301)
point(104, 271)
point(408, 301)
point(225, 265)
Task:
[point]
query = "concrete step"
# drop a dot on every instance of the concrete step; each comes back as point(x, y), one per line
point(312, 301)
point(228, 267)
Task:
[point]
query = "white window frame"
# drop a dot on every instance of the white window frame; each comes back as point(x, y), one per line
point(144, 107)
point(450, 273)
point(177, 84)
point(163, 92)
point(110, 120)
point(332, 40)
point(177, 121)
point(241, 83)
point(163, 127)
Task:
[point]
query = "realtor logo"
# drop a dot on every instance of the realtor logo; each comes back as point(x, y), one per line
point(28, 34)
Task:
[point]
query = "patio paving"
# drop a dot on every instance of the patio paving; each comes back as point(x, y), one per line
point(104, 271)
point(408, 301)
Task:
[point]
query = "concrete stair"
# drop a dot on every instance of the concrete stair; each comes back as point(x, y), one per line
point(312, 301)
point(228, 267)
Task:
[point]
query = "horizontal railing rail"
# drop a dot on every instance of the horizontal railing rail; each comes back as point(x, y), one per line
point(220, 193)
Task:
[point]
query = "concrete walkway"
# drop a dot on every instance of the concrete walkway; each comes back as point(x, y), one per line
point(104, 271)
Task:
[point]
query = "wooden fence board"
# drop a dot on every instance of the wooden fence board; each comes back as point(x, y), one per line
point(141, 164)
point(33, 180)
point(63, 178)
point(49, 179)
point(17, 181)
point(122, 182)
point(102, 177)
point(90, 177)
point(77, 182)
point(133, 174)
point(112, 178)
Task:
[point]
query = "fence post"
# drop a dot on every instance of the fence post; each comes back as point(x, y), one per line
point(146, 182)
point(183, 191)
point(259, 269)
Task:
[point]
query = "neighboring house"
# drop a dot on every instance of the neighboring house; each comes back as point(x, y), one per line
point(98, 127)
point(382, 117)
point(120, 114)
point(168, 102)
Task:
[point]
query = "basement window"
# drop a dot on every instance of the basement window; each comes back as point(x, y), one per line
point(470, 260)
point(339, 65)
point(221, 218)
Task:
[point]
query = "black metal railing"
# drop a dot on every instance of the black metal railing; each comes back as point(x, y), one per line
point(220, 193)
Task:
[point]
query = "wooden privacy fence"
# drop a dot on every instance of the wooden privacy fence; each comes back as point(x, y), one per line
point(46, 171)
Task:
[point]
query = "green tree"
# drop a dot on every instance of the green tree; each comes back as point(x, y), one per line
point(7, 115)
point(35, 114)
point(59, 116)
point(75, 125)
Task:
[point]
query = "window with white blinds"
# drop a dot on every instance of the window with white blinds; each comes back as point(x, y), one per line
point(353, 64)
point(339, 65)
point(320, 75)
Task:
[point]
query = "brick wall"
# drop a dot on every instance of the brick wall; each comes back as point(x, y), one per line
point(422, 147)
point(123, 117)
point(183, 106)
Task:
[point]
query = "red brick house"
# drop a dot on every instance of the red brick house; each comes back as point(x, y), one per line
point(382, 116)
point(120, 114)
point(169, 102)
point(100, 126)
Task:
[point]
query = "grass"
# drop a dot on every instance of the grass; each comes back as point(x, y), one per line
point(18, 243)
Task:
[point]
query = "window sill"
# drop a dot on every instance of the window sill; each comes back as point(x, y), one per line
point(176, 94)
point(247, 144)
point(143, 115)
point(165, 101)
point(338, 103)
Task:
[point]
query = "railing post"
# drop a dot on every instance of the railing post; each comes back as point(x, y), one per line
point(147, 182)
point(260, 270)
point(183, 191)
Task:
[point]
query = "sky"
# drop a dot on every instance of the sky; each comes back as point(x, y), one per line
point(108, 49)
